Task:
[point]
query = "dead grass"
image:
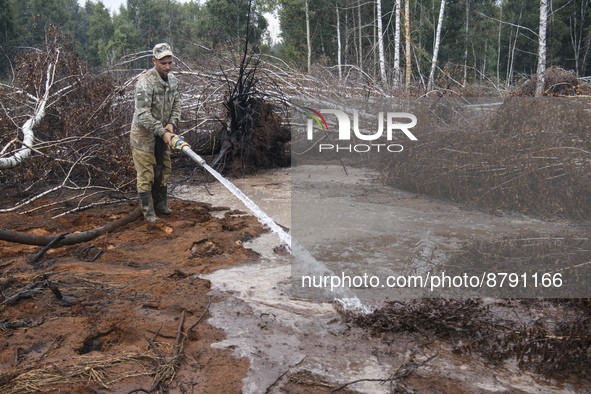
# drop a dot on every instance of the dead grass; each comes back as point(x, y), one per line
point(532, 155)
point(104, 372)
point(547, 345)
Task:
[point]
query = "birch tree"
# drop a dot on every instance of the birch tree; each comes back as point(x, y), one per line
point(499, 42)
point(381, 41)
point(339, 51)
point(466, 32)
point(407, 38)
point(308, 38)
point(397, 44)
point(542, 47)
point(60, 129)
point(436, 47)
point(40, 101)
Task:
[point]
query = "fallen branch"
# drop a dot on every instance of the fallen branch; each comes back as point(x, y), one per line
point(403, 371)
point(178, 343)
point(200, 317)
point(29, 135)
point(55, 290)
point(47, 247)
point(283, 374)
point(166, 370)
point(11, 325)
point(28, 292)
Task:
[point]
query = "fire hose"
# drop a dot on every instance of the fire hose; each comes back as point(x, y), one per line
point(179, 143)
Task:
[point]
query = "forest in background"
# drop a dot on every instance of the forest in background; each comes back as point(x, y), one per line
point(474, 41)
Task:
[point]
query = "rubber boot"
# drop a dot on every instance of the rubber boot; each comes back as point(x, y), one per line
point(162, 202)
point(147, 205)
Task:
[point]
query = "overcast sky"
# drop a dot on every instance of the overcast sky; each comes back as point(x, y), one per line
point(114, 5)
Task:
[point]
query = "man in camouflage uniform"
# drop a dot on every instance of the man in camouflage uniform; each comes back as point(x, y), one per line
point(157, 114)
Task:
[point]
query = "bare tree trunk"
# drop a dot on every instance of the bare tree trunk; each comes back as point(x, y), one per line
point(577, 31)
point(584, 62)
point(308, 38)
point(381, 41)
point(512, 58)
point(346, 51)
point(512, 49)
point(375, 43)
point(397, 46)
point(407, 37)
point(499, 44)
point(484, 60)
point(38, 114)
point(419, 72)
point(542, 47)
point(436, 47)
point(339, 53)
point(575, 41)
point(466, 31)
point(360, 36)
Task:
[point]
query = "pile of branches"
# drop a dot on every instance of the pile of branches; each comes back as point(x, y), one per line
point(472, 326)
point(533, 155)
point(557, 82)
point(59, 130)
point(64, 129)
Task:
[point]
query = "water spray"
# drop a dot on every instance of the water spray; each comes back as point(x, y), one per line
point(344, 295)
point(180, 144)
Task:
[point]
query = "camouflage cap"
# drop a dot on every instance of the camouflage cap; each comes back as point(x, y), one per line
point(161, 50)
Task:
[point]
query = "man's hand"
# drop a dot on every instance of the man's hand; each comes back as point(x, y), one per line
point(168, 134)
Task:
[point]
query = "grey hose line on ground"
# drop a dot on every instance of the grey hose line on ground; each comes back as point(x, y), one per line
point(70, 239)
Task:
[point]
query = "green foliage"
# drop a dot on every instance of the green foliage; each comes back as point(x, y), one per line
point(137, 26)
point(322, 14)
point(293, 31)
point(7, 17)
point(224, 22)
point(501, 40)
point(100, 33)
point(51, 12)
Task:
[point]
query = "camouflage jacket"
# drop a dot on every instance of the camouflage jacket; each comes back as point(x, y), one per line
point(157, 103)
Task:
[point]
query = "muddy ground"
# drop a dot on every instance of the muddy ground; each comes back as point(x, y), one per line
point(134, 292)
point(126, 298)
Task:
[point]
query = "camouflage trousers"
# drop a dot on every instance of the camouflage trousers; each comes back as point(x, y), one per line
point(145, 166)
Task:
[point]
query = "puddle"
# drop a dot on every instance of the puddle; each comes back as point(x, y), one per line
point(281, 335)
point(348, 219)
